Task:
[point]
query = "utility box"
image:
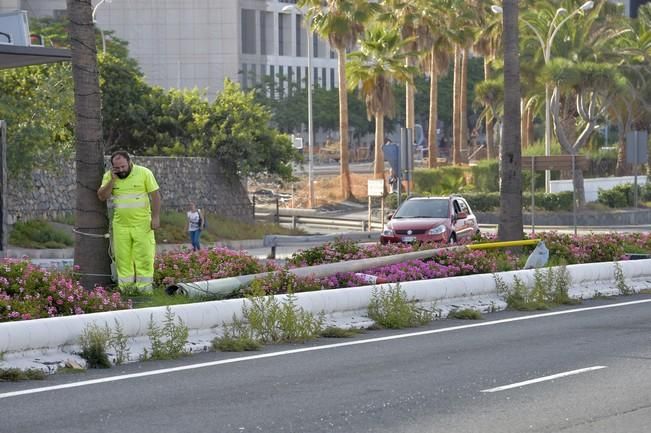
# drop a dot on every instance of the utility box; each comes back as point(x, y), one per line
point(14, 29)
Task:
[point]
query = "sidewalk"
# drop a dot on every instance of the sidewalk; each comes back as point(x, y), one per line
point(64, 256)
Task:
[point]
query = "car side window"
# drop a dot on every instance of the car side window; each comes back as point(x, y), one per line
point(464, 207)
point(457, 209)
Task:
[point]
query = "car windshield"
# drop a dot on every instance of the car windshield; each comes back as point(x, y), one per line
point(423, 209)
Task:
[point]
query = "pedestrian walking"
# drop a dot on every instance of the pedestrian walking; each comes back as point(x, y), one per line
point(195, 223)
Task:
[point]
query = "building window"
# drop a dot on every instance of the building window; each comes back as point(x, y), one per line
point(324, 84)
point(248, 31)
point(298, 77)
point(300, 37)
point(284, 33)
point(266, 33)
point(332, 78)
point(272, 81)
point(244, 73)
point(315, 77)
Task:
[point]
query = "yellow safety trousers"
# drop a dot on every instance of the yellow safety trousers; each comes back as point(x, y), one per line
point(135, 249)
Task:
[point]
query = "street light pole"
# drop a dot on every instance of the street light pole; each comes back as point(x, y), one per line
point(310, 128)
point(101, 32)
point(546, 46)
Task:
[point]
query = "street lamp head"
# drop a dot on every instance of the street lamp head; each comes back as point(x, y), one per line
point(561, 11)
point(496, 9)
point(288, 8)
point(587, 6)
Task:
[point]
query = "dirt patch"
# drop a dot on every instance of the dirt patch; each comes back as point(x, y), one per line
point(326, 190)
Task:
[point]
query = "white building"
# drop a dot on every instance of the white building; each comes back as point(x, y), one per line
point(199, 43)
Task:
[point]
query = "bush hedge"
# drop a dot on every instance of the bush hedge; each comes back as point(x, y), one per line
point(623, 195)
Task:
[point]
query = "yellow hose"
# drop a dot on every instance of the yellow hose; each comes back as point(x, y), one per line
point(503, 244)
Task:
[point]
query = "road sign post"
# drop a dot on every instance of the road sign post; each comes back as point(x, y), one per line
point(375, 189)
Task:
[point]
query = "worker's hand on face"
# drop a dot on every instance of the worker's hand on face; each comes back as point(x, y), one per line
point(155, 223)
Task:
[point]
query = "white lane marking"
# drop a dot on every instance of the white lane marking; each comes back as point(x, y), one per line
point(545, 378)
point(310, 349)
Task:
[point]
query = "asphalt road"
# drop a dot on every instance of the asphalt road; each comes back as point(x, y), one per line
point(442, 378)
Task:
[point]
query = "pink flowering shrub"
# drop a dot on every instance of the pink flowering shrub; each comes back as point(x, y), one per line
point(29, 292)
point(208, 264)
point(595, 247)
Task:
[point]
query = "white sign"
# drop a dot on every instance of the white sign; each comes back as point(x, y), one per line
point(376, 188)
point(297, 142)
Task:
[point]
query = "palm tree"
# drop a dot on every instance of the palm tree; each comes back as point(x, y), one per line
point(510, 224)
point(464, 23)
point(90, 214)
point(489, 44)
point(379, 62)
point(341, 22)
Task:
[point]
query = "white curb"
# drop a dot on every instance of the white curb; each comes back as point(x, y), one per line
point(42, 338)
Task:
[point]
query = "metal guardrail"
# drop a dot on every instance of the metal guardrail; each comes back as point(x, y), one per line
point(274, 241)
point(294, 221)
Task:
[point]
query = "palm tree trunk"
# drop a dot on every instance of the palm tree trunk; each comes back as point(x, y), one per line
point(90, 214)
point(510, 223)
point(622, 168)
point(378, 167)
point(490, 122)
point(346, 189)
point(409, 101)
point(456, 127)
point(432, 139)
point(523, 125)
point(530, 129)
point(463, 105)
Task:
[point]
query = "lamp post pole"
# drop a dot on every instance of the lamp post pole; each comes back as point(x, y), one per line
point(101, 32)
point(310, 130)
point(546, 46)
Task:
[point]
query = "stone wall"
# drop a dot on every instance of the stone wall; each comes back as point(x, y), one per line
point(181, 180)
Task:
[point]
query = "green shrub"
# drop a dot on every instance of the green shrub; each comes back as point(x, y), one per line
point(168, 341)
point(439, 181)
point(390, 308)
point(622, 195)
point(485, 175)
point(552, 202)
point(94, 341)
point(483, 201)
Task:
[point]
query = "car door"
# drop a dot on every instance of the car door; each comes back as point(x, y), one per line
point(469, 223)
point(461, 216)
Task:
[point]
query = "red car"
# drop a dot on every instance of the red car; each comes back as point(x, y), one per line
point(431, 219)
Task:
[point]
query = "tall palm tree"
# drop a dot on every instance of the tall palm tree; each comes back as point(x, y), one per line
point(406, 16)
point(464, 21)
point(489, 45)
point(90, 214)
point(341, 22)
point(441, 21)
point(373, 69)
point(510, 224)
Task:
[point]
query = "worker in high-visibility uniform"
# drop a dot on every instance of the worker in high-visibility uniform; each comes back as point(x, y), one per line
point(133, 193)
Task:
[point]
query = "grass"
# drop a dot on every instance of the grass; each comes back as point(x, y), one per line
point(172, 229)
point(465, 314)
point(39, 234)
point(16, 374)
point(334, 332)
